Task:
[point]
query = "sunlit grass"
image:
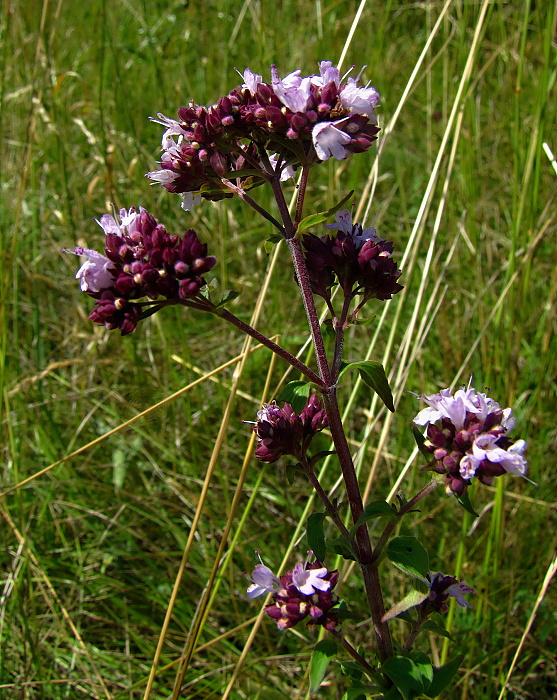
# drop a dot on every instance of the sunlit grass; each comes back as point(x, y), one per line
point(93, 547)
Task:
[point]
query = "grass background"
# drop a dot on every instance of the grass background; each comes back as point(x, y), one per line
point(93, 548)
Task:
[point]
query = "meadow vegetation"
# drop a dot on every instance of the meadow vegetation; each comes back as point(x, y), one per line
point(129, 536)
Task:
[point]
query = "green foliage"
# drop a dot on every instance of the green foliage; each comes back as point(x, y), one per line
point(408, 555)
point(373, 375)
point(323, 652)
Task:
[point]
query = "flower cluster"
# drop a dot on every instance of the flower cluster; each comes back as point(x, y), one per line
point(306, 591)
point(142, 260)
point(295, 119)
point(441, 588)
point(471, 440)
point(355, 257)
point(281, 431)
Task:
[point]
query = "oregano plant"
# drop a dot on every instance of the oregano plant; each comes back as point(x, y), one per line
point(262, 134)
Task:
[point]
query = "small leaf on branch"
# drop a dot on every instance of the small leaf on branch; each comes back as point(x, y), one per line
point(442, 676)
point(296, 394)
point(323, 652)
point(377, 509)
point(272, 241)
point(408, 555)
point(436, 628)
point(340, 546)
point(411, 600)
point(465, 502)
point(316, 535)
point(420, 441)
point(406, 676)
point(320, 217)
point(320, 455)
point(227, 295)
point(373, 375)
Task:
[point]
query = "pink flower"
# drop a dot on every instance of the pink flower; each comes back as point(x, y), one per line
point(96, 273)
point(292, 91)
point(329, 141)
point(309, 581)
point(264, 581)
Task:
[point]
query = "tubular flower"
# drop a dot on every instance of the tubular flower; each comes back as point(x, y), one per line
point(355, 257)
point(441, 588)
point(300, 119)
point(281, 431)
point(304, 592)
point(141, 260)
point(471, 440)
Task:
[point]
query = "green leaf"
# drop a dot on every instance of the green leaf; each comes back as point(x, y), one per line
point(316, 535)
point(373, 375)
point(465, 502)
point(377, 509)
point(436, 628)
point(405, 675)
point(315, 219)
point(296, 394)
point(227, 295)
point(420, 440)
point(424, 666)
point(408, 555)
point(342, 547)
point(442, 676)
point(272, 241)
point(323, 652)
point(411, 600)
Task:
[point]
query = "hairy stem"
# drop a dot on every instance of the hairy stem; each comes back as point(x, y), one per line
point(353, 653)
point(277, 349)
point(329, 507)
point(388, 531)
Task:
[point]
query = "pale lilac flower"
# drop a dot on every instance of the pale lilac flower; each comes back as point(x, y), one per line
point(292, 90)
point(309, 581)
point(163, 177)
point(286, 172)
point(96, 273)
point(189, 201)
point(360, 100)
point(251, 80)
point(264, 581)
point(471, 441)
point(329, 141)
point(173, 128)
point(359, 234)
point(458, 591)
point(328, 74)
point(485, 447)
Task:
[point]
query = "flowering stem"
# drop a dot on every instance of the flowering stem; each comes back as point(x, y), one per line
point(277, 349)
point(252, 203)
point(301, 195)
point(329, 507)
point(353, 653)
point(388, 531)
point(422, 617)
point(339, 337)
point(370, 572)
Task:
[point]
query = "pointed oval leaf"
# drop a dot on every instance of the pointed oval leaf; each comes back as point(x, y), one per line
point(295, 393)
point(405, 675)
point(377, 509)
point(466, 503)
point(316, 535)
point(342, 547)
point(436, 628)
point(408, 555)
point(323, 652)
point(442, 676)
point(315, 219)
point(373, 375)
point(411, 600)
